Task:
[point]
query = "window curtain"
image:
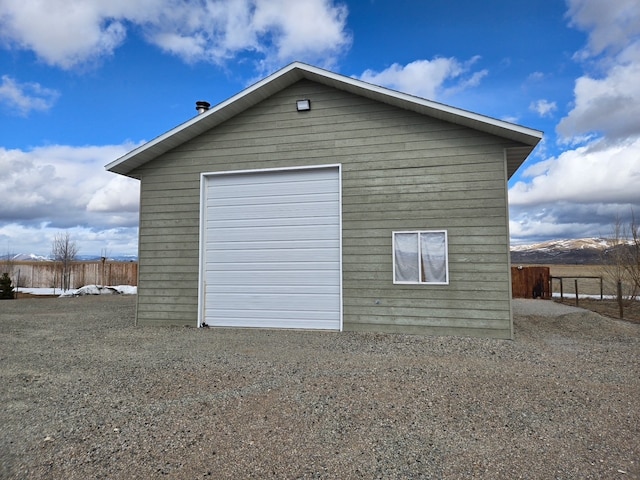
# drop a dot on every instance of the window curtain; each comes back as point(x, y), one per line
point(434, 258)
point(406, 257)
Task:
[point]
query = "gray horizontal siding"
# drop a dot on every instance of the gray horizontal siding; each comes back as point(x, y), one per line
point(400, 171)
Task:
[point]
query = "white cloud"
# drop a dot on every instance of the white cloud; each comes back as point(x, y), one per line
point(555, 224)
point(37, 239)
point(23, 98)
point(536, 77)
point(610, 25)
point(566, 220)
point(69, 34)
point(543, 107)
point(313, 28)
point(278, 31)
point(609, 106)
point(117, 196)
point(607, 99)
point(596, 173)
point(577, 194)
point(189, 48)
point(66, 186)
point(63, 33)
point(432, 79)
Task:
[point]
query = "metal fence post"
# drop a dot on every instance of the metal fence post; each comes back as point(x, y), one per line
point(620, 299)
point(601, 290)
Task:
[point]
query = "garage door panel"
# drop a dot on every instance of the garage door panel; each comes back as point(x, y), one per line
point(261, 193)
point(270, 319)
point(280, 177)
point(220, 227)
point(289, 303)
point(262, 181)
point(284, 200)
point(283, 233)
point(250, 278)
point(280, 255)
point(318, 322)
point(250, 212)
point(275, 289)
point(284, 267)
point(225, 246)
point(242, 313)
point(272, 249)
point(276, 199)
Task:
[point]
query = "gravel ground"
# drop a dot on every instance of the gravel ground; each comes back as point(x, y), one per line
point(87, 395)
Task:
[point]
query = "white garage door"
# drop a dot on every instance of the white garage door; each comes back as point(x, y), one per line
point(272, 249)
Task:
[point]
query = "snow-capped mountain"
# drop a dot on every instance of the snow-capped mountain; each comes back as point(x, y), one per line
point(31, 257)
point(573, 251)
point(28, 257)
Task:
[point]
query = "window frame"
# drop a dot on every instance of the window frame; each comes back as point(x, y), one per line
point(419, 257)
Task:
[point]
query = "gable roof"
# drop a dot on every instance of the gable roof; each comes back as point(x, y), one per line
point(297, 71)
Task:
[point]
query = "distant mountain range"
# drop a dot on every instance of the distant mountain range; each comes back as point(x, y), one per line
point(582, 251)
point(30, 257)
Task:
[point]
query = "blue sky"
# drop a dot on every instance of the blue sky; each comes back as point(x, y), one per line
point(83, 82)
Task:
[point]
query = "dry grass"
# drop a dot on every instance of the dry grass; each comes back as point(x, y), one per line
point(590, 286)
point(608, 308)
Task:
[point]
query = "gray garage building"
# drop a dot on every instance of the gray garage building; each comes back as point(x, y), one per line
point(314, 200)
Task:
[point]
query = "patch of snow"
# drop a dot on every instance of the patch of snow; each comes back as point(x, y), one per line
point(86, 290)
point(127, 289)
point(90, 290)
point(570, 296)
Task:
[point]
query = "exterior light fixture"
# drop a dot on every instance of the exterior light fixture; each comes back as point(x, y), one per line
point(303, 105)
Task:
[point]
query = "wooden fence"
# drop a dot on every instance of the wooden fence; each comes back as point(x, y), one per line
point(530, 282)
point(49, 274)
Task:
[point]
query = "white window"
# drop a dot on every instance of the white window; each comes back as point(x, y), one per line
point(421, 257)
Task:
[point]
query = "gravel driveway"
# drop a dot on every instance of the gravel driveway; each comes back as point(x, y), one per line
point(543, 308)
point(87, 395)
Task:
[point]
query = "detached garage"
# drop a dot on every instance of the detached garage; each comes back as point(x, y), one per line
point(313, 200)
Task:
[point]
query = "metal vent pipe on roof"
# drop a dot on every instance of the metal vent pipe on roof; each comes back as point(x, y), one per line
point(202, 106)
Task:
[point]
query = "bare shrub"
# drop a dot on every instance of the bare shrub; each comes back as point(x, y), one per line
point(64, 252)
point(621, 259)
